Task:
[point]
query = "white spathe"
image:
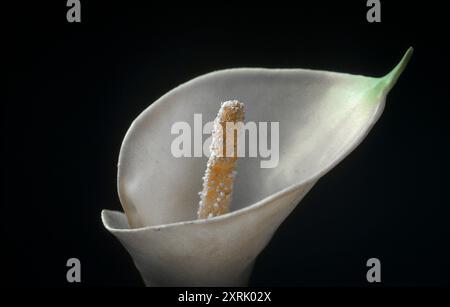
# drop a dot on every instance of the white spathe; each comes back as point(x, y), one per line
point(323, 116)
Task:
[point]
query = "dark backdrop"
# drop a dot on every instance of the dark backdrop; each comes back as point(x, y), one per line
point(74, 89)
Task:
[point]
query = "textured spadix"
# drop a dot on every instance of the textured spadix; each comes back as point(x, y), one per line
point(322, 117)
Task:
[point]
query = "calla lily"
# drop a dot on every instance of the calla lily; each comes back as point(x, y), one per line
point(322, 117)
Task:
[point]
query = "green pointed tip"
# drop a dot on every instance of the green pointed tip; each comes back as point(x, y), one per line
point(391, 78)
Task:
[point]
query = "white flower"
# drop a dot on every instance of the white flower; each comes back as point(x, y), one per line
point(323, 116)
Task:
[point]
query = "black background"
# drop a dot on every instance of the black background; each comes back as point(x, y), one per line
point(74, 89)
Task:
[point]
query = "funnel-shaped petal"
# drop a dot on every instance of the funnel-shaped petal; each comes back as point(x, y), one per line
point(322, 117)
